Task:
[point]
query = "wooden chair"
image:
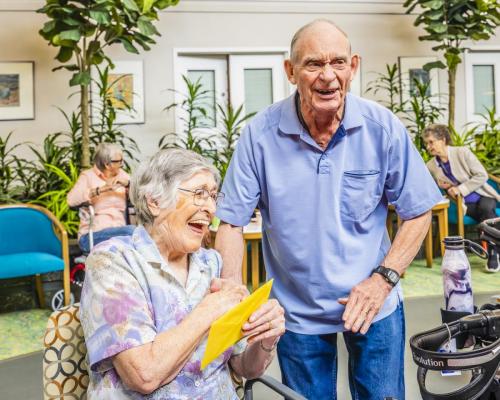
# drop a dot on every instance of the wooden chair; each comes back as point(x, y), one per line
point(456, 212)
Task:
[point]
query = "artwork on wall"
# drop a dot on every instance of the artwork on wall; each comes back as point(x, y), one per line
point(16, 90)
point(411, 68)
point(126, 88)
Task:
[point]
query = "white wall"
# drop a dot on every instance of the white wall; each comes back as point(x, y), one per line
point(379, 31)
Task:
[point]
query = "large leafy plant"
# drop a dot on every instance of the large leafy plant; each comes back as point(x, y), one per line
point(215, 140)
point(195, 133)
point(387, 84)
point(82, 29)
point(450, 23)
point(55, 199)
point(231, 122)
point(8, 170)
point(421, 111)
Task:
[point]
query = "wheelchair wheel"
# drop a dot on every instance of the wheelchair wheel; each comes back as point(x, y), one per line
point(58, 300)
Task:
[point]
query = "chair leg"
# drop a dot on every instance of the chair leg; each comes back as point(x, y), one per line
point(39, 290)
point(428, 247)
point(66, 287)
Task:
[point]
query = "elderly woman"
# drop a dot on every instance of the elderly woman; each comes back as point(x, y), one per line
point(458, 171)
point(148, 300)
point(104, 186)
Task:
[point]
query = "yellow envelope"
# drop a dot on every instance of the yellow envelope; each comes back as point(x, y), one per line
point(226, 330)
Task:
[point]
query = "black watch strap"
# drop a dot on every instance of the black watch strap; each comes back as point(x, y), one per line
point(389, 274)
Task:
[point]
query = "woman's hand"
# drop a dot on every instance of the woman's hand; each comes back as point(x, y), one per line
point(266, 324)
point(224, 295)
point(453, 191)
point(443, 184)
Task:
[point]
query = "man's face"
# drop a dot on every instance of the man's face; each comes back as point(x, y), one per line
point(322, 69)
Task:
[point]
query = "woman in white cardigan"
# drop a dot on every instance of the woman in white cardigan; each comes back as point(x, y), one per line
point(458, 171)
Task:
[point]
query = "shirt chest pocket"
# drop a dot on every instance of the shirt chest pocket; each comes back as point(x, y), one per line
point(360, 193)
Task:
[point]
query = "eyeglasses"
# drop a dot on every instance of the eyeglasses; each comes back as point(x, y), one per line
point(200, 196)
point(316, 66)
point(117, 161)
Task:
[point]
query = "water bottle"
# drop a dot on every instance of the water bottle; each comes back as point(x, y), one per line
point(456, 275)
point(457, 284)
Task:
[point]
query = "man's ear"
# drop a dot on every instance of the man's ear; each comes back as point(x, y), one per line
point(153, 206)
point(289, 72)
point(355, 60)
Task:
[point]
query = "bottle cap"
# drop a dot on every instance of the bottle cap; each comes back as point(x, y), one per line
point(454, 242)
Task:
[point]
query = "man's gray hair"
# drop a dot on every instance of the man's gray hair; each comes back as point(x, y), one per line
point(104, 153)
point(298, 34)
point(158, 179)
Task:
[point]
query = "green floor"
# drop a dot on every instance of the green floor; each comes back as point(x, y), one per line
point(422, 281)
point(22, 331)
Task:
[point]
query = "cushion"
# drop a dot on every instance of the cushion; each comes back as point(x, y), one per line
point(26, 264)
point(64, 358)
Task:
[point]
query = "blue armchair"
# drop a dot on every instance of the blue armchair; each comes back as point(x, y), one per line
point(33, 242)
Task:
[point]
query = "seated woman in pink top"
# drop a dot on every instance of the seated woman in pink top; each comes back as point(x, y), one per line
point(104, 186)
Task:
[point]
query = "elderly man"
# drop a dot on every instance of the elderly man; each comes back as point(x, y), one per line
point(322, 167)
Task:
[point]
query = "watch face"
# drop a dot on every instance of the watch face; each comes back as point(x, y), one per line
point(393, 276)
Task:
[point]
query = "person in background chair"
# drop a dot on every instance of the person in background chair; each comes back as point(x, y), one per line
point(458, 171)
point(104, 186)
point(148, 300)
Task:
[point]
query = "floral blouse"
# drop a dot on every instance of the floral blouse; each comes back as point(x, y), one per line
point(129, 296)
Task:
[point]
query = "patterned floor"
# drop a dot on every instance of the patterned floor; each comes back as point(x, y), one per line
point(22, 331)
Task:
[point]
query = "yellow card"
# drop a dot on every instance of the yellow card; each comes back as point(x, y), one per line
point(226, 330)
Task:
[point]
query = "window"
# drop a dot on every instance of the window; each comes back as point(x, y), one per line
point(483, 89)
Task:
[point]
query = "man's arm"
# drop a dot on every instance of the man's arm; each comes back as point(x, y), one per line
point(366, 298)
point(229, 243)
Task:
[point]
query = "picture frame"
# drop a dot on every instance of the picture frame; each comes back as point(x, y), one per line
point(412, 67)
point(127, 86)
point(17, 93)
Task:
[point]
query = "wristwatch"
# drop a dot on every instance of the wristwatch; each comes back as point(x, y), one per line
point(390, 275)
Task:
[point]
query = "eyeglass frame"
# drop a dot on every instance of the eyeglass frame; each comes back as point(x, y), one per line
point(219, 196)
point(121, 161)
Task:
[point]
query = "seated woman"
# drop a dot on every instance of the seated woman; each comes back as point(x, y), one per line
point(148, 300)
point(458, 171)
point(104, 186)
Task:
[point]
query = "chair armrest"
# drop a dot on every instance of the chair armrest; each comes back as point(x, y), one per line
point(273, 384)
point(494, 178)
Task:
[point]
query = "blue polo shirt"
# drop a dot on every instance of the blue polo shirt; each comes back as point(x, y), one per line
point(324, 212)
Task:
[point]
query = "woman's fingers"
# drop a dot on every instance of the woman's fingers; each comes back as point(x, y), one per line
point(260, 320)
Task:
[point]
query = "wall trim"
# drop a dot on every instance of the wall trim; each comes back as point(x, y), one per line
point(255, 6)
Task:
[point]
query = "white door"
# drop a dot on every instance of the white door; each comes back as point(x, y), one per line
point(211, 72)
point(256, 81)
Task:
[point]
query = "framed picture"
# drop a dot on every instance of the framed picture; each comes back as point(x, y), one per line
point(17, 90)
point(411, 68)
point(126, 88)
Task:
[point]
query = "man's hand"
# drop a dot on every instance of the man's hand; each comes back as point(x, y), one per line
point(364, 303)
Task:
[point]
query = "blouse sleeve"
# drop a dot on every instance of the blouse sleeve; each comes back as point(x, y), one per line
point(115, 312)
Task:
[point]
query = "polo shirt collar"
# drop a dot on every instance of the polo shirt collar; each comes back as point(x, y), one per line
point(290, 124)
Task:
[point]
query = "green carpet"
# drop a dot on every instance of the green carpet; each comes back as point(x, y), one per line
point(422, 281)
point(22, 332)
